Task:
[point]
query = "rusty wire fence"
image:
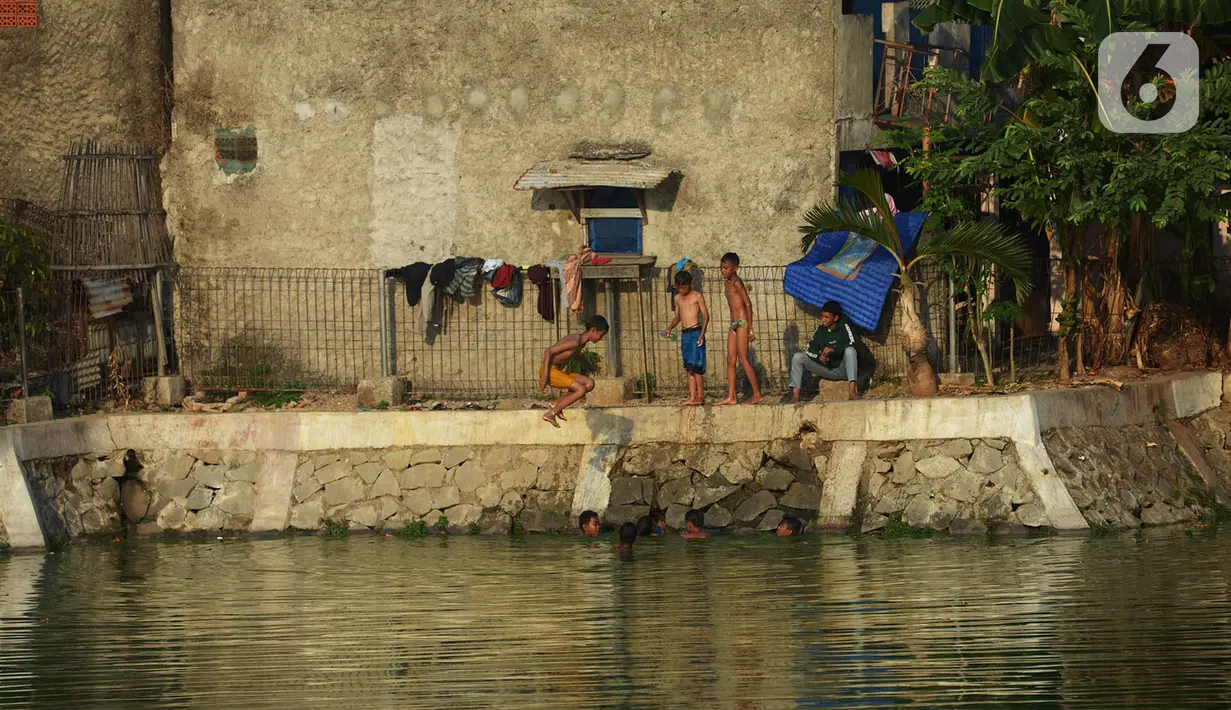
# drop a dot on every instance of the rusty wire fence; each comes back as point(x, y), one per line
point(88, 337)
point(322, 329)
point(277, 328)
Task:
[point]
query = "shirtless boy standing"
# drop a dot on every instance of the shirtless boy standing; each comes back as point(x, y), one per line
point(741, 330)
point(693, 317)
point(551, 373)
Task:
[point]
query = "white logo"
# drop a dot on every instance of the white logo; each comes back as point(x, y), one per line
point(1127, 64)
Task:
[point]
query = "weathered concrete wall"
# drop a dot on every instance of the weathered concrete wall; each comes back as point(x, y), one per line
point(960, 464)
point(90, 69)
point(393, 132)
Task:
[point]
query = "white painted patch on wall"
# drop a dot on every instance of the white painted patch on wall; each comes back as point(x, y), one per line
point(304, 110)
point(519, 99)
point(414, 191)
point(477, 99)
point(336, 110)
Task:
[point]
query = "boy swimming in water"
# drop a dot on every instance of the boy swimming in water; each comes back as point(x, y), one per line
point(694, 526)
point(741, 330)
point(551, 372)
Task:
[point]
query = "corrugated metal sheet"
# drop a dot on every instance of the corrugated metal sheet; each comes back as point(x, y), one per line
point(555, 174)
point(107, 298)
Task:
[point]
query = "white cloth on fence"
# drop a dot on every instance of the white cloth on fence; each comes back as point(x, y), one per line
point(424, 309)
point(490, 265)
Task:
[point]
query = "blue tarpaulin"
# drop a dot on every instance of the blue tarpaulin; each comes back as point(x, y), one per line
point(862, 298)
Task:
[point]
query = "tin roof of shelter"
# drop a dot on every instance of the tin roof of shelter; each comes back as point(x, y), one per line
point(558, 174)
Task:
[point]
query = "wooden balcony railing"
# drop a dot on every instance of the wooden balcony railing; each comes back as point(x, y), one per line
point(898, 99)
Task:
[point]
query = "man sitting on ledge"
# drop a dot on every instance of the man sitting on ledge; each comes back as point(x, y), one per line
point(835, 352)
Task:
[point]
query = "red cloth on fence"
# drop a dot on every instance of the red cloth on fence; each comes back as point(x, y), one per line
point(502, 277)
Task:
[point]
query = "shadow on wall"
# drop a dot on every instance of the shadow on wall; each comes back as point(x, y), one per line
point(606, 428)
point(659, 199)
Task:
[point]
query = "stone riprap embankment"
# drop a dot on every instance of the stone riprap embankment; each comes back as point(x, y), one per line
point(1150, 453)
point(960, 485)
point(751, 485)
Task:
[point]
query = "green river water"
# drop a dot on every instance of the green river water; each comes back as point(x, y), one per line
point(559, 622)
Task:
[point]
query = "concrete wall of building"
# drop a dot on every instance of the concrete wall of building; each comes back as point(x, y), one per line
point(89, 70)
point(393, 132)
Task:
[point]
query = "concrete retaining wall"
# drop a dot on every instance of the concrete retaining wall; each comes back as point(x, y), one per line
point(268, 471)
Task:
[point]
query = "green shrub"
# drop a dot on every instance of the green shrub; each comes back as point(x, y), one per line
point(413, 530)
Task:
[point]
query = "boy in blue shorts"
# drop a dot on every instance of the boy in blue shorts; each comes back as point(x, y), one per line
point(693, 316)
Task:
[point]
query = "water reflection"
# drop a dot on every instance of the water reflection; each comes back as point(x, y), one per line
point(548, 622)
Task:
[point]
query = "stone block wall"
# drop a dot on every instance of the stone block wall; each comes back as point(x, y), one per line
point(1127, 477)
point(959, 485)
point(739, 486)
point(493, 488)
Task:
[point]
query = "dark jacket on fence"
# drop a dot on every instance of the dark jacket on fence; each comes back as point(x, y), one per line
point(540, 276)
point(412, 278)
point(840, 337)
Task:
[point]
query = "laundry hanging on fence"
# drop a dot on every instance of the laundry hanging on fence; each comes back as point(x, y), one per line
point(572, 277)
point(541, 277)
point(510, 295)
point(501, 277)
point(465, 274)
point(441, 274)
point(419, 324)
point(412, 277)
point(557, 265)
point(490, 265)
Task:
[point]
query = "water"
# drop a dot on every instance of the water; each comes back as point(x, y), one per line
point(551, 622)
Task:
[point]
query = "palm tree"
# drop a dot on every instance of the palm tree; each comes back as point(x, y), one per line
point(869, 215)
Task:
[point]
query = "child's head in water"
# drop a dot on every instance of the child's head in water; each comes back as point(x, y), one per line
point(790, 527)
point(628, 535)
point(645, 526)
point(660, 523)
point(588, 522)
point(694, 522)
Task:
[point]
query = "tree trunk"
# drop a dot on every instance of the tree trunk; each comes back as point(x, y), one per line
point(1070, 288)
point(919, 371)
point(978, 333)
point(1012, 357)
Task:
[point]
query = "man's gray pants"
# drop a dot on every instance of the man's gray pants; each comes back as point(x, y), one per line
point(848, 370)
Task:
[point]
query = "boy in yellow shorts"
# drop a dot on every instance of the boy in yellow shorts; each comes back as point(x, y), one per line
point(550, 372)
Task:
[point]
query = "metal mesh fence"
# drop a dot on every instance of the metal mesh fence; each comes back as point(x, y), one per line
point(321, 328)
point(277, 328)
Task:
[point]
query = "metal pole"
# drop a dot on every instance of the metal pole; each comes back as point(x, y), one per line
point(159, 332)
point(21, 337)
point(384, 324)
point(952, 329)
point(645, 336)
point(611, 316)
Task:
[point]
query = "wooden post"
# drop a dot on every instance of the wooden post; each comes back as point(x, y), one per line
point(159, 333)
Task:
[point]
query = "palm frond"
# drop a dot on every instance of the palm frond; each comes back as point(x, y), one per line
point(988, 242)
point(868, 216)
